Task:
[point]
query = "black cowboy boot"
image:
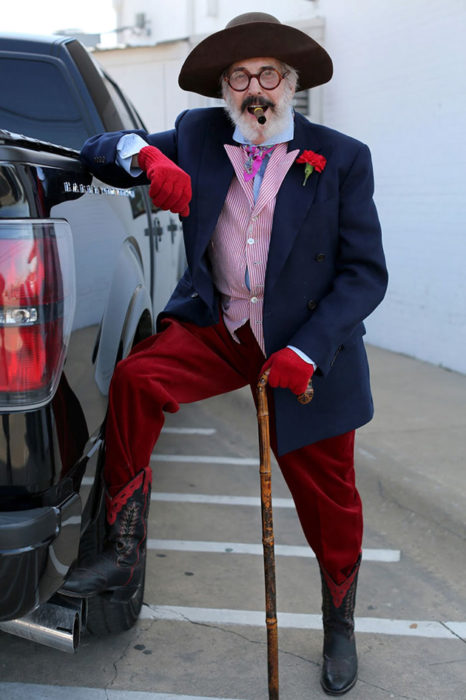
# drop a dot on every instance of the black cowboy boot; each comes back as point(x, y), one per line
point(121, 564)
point(340, 663)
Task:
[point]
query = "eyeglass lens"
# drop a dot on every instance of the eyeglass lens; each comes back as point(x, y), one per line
point(268, 78)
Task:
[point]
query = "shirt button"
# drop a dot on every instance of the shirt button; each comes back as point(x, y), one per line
point(254, 300)
point(251, 241)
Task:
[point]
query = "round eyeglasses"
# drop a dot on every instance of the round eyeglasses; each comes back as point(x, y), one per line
point(268, 78)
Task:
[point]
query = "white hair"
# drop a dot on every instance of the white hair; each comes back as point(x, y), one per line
point(291, 75)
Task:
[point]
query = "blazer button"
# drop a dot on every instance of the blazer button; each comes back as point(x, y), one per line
point(194, 295)
point(312, 305)
point(320, 257)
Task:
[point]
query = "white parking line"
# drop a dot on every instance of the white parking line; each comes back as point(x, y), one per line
point(189, 431)
point(370, 625)
point(206, 459)
point(218, 500)
point(365, 453)
point(458, 628)
point(283, 550)
point(33, 691)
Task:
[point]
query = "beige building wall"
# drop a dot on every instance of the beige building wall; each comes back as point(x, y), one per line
point(148, 75)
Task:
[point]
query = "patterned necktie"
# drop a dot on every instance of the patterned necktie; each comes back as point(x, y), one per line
point(255, 156)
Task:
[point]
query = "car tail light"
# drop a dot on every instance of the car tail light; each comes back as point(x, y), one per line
point(37, 300)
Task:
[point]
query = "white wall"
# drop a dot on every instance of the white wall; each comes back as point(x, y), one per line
point(222, 11)
point(400, 86)
point(167, 21)
point(149, 77)
point(179, 19)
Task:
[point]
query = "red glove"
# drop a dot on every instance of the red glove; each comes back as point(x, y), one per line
point(170, 186)
point(288, 371)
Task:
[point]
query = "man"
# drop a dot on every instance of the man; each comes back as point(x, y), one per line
point(284, 263)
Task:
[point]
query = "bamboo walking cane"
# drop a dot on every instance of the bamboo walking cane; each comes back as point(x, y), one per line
point(268, 540)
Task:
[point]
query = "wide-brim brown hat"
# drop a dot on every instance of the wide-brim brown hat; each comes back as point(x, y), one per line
point(253, 35)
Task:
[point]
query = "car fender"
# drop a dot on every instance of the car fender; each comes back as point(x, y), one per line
point(128, 302)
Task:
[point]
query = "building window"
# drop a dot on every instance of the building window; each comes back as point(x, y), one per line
point(301, 102)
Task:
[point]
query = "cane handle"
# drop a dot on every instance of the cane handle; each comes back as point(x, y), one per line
point(304, 398)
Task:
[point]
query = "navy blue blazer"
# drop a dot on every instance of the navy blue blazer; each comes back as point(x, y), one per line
point(325, 271)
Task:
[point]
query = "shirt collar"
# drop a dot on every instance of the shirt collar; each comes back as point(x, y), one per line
point(286, 135)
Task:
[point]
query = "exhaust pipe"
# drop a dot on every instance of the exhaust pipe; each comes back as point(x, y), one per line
point(55, 624)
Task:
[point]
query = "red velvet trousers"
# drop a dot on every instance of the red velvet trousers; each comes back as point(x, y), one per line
point(185, 363)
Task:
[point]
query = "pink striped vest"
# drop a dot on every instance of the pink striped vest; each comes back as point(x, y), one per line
point(242, 237)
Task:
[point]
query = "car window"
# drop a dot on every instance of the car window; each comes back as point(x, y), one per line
point(110, 103)
point(37, 101)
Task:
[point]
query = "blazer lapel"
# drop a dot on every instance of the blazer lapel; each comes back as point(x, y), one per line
point(236, 156)
point(213, 178)
point(293, 202)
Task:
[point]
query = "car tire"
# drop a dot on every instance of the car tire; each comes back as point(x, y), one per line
point(106, 614)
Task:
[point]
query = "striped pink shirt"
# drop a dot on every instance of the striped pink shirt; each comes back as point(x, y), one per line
point(242, 237)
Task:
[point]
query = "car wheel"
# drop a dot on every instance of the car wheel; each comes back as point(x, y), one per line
point(106, 613)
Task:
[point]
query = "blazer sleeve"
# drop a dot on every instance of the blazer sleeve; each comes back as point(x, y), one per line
point(360, 277)
point(99, 154)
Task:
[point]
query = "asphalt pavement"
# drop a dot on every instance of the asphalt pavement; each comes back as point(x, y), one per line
point(202, 634)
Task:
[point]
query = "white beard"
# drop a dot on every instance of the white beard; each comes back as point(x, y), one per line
point(277, 118)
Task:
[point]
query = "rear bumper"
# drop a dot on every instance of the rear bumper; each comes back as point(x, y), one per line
point(37, 548)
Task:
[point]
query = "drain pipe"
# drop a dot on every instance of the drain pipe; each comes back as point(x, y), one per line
point(55, 624)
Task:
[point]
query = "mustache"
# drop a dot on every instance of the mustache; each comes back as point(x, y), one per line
point(258, 100)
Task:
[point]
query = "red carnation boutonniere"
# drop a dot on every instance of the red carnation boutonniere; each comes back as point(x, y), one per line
point(311, 160)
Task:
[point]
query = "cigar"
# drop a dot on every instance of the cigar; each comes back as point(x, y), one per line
point(259, 114)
